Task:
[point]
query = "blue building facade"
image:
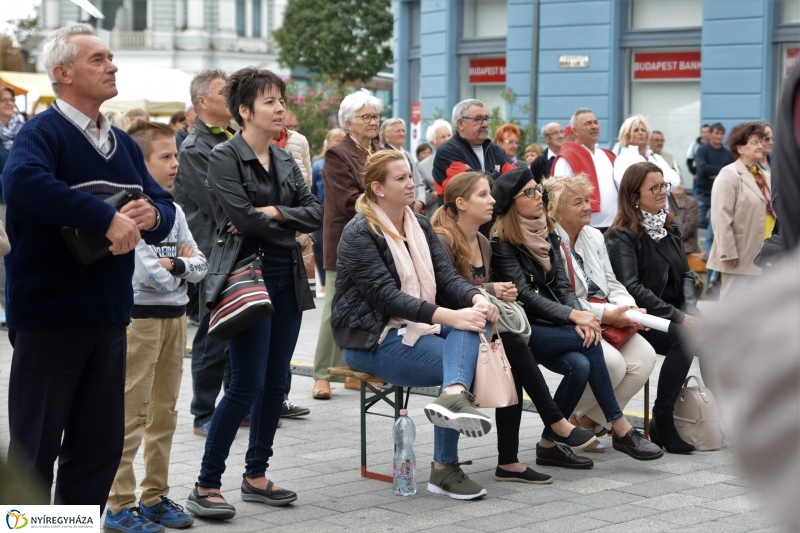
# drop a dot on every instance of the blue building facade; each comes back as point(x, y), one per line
point(681, 63)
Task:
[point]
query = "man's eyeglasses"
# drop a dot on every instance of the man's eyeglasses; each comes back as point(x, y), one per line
point(655, 189)
point(366, 119)
point(530, 192)
point(478, 119)
point(6, 100)
point(766, 139)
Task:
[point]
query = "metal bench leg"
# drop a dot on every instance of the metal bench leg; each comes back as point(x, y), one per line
point(647, 409)
point(364, 472)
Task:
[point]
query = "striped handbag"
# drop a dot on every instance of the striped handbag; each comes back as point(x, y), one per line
point(243, 302)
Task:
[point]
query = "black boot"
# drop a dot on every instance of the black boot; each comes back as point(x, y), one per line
point(663, 433)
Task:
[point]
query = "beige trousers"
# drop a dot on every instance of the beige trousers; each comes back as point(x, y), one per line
point(734, 283)
point(327, 354)
point(629, 369)
point(156, 348)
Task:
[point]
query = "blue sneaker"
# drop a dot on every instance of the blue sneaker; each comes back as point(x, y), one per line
point(129, 521)
point(202, 431)
point(167, 513)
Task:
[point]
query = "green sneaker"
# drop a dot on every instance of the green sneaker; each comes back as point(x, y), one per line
point(457, 411)
point(452, 481)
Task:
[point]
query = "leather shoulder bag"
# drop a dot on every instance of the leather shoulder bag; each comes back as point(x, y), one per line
point(493, 384)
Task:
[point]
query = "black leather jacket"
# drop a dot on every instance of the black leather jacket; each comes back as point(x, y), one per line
point(368, 287)
point(232, 176)
point(646, 282)
point(548, 299)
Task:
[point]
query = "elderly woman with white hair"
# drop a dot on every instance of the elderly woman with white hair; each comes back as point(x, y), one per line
point(634, 139)
point(584, 251)
point(342, 177)
point(426, 200)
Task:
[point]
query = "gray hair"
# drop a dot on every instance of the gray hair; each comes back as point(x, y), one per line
point(460, 109)
point(201, 84)
point(580, 111)
point(544, 129)
point(386, 126)
point(355, 101)
point(430, 133)
point(58, 50)
point(626, 130)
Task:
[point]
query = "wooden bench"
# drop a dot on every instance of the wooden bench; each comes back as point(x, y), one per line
point(367, 402)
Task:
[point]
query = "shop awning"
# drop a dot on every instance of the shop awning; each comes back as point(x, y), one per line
point(159, 91)
point(26, 82)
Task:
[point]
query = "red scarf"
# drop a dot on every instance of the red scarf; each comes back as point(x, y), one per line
point(580, 161)
point(281, 142)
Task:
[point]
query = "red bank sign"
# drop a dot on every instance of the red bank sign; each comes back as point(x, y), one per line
point(487, 70)
point(792, 59)
point(666, 65)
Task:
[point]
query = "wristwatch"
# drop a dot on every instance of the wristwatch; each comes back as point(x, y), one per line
point(172, 260)
point(158, 219)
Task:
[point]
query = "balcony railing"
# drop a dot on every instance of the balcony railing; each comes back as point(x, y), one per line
point(128, 40)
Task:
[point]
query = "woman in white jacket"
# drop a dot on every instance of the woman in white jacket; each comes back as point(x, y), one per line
point(634, 139)
point(584, 252)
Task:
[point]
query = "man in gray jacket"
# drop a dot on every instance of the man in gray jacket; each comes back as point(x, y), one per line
point(210, 368)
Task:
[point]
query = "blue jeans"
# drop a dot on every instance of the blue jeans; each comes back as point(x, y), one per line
point(703, 207)
point(259, 363)
point(445, 359)
point(713, 275)
point(560, 350)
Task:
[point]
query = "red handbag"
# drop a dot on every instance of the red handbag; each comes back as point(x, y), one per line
point(613, 335)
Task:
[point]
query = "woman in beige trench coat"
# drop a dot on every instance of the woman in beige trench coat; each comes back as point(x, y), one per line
point(741, 210)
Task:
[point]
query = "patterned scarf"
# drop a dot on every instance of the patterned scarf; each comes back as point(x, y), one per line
point(368, 150)
point(216, 130)
point(535, 233)
point(7, 133)
point(654, 224)
point(761, 181)
point(280, 142)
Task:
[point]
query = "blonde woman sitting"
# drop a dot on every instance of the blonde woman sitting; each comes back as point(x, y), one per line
point(584, 251)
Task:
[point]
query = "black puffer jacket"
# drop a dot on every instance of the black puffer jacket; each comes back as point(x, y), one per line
point(368, 287)
point(548, 299)
point(644, 272)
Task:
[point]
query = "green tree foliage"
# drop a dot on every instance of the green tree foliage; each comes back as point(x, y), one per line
point(316, 108)
point(346, 40)
point(529, 133)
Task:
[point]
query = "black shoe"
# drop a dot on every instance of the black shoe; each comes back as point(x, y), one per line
point(198, 505)
point(635, 445)
point(579, 438)
point(560, 455)
point(528, 476)
point(663, 433)
point(276, 498)
point(291, 410)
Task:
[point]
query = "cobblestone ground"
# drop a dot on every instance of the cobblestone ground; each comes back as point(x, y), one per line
point(319, 457)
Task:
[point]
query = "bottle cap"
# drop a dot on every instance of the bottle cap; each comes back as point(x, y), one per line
point(403, 412)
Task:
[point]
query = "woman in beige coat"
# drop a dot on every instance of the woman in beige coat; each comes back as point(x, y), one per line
point(741, 210)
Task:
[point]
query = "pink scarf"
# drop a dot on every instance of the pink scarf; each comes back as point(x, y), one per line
point(415, 269)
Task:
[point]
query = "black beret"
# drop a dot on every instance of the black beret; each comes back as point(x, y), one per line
point(507, 186)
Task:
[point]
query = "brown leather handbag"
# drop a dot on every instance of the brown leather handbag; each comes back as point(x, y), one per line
point(307, 251)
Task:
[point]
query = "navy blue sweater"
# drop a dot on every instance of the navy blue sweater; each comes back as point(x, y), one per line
point(56, 177)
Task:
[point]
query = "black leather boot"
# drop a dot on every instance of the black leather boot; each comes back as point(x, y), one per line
point(663, 433)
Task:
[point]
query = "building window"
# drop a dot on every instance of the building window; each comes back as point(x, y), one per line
point(139, 15)
point(650, 14)
point(485, 18)
point(109, 9)
point(240, 18)
point(257, 18)
point(791, 12)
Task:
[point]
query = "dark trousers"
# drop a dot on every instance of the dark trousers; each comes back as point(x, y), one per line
point(260, 359)
point(674, 344)
point(703, 207)
point(66, 401)
point(528, 376)
point(317, 247)
point(210, 368)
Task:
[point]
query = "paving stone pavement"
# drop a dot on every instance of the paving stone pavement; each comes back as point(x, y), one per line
point(319, 458)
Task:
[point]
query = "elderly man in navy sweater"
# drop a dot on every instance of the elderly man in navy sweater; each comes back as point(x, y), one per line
point(67, 320)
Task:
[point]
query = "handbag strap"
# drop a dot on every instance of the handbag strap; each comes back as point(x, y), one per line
point(697, 379)
point(570, 268)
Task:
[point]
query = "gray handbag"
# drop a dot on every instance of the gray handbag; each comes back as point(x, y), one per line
point(696, 417)
point(512, 317)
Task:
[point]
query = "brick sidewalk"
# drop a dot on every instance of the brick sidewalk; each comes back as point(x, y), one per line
point(319, 458)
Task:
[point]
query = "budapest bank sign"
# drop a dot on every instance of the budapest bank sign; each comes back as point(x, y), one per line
point(666, 65)
point(487, 70)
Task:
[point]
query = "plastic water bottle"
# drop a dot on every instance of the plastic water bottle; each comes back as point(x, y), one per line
point(405, 462)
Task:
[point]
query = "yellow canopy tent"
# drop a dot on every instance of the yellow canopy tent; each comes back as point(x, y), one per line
point(25, 82)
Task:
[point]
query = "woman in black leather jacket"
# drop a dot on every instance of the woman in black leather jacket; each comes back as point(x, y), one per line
point(258, 190)
point(564, 338)
point(647, 256)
